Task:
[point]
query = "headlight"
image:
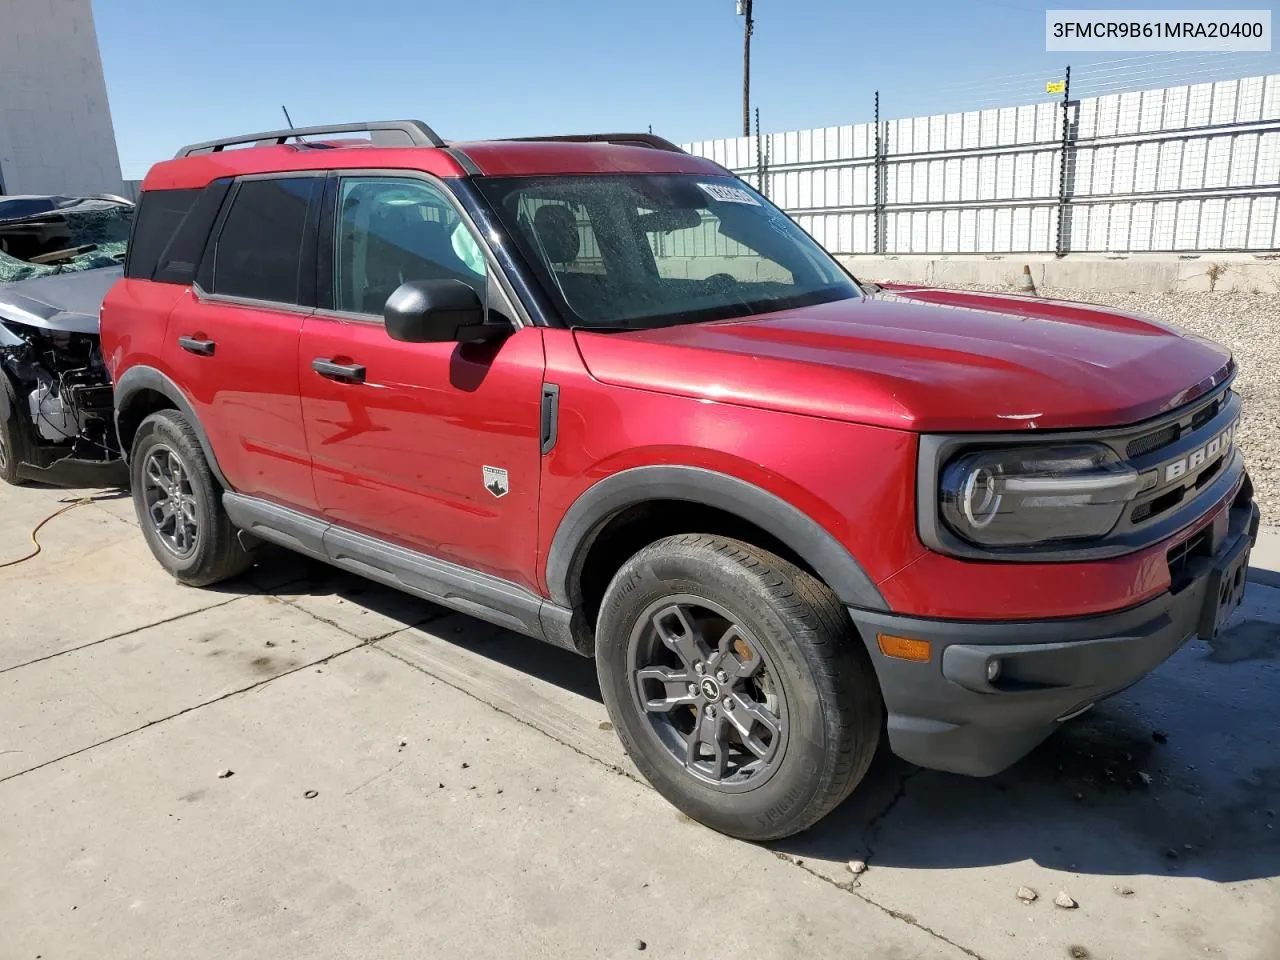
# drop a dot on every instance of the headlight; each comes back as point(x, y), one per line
point(1033, 495)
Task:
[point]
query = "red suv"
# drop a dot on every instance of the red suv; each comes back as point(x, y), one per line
point(603, 393)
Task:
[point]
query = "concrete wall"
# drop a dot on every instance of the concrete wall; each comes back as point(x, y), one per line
point(55, 123)
point(1210, 272)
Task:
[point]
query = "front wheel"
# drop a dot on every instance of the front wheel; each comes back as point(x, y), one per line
point(737, 685)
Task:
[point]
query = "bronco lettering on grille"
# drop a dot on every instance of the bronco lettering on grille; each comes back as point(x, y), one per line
point(1199, 457)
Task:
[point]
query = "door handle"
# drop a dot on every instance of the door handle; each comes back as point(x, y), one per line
point(203, 348)
point(345, 372)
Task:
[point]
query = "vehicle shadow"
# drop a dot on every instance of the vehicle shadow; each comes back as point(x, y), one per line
point(282, 569)
point(1159, 780)
point(70, 494)
point(1178, 775)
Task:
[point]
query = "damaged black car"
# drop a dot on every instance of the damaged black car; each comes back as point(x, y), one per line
point(58, 258)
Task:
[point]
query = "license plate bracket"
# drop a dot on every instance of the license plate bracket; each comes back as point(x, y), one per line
point(1225, 588)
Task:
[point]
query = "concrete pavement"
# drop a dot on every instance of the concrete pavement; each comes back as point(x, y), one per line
point(410, 782)
point(1264, 562)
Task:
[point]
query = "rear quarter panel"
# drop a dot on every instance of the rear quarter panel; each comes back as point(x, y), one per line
point(135, 317)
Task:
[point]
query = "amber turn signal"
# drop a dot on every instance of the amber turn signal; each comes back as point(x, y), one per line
point(904, 648)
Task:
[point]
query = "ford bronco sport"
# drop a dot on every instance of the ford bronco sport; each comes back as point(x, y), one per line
point(603, 393)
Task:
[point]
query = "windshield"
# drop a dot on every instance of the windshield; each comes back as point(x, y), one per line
point(651, 250)
point(61, 235)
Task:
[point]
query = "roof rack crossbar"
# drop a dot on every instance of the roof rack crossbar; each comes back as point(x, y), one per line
point(404, 133)
point(634, 139)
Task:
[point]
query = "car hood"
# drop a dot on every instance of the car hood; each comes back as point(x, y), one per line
point(925, 360)
point(67, 302)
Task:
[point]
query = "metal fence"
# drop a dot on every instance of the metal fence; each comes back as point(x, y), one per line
point(1182, 168)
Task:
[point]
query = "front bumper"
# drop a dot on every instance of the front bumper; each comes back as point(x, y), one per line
point(945, 714)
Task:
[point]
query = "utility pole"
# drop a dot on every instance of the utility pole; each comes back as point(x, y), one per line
point(744, 11)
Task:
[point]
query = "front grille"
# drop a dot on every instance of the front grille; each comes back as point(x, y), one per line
point(1171, 433)
point(1210, 472)
point(1166, 501)
point(1154, 441)
point(1179, 448)
point(1171, 498)
point(1205, 414)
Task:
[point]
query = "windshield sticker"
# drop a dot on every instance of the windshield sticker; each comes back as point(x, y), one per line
point(727, 194)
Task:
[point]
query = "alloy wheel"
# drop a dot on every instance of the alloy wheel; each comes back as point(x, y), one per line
point(170, 501)
point(707, 692)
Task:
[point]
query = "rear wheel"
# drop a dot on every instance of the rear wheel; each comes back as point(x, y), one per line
point(737, 685)
point(179, 503)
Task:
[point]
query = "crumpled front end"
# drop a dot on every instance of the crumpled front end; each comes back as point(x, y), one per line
point(57, 401)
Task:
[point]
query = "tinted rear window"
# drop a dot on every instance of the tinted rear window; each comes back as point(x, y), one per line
point(159, 214)
point(181, 258)
point(259, 251)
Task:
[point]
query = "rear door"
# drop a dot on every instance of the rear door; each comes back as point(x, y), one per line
point(233, 341)
point(435, 446)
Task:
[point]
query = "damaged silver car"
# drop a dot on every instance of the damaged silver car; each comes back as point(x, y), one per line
point(58, 258)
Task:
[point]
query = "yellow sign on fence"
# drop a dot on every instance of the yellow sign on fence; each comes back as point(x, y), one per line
point(1056, 86)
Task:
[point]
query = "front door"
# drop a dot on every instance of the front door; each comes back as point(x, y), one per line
point(435, 446)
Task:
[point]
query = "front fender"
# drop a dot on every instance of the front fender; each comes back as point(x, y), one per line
point(589, 513)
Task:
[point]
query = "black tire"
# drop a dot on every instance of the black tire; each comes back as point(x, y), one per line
point(814, 666)
point(212, 552)
point(14, 442)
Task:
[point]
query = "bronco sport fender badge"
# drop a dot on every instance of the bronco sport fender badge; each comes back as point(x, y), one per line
point(495, 481)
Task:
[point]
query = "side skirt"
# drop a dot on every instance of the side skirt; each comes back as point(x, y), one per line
point(448, 584)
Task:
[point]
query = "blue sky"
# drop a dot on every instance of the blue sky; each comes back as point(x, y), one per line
point(180, 71)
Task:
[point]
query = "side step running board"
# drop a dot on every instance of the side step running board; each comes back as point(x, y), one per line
point(459, 588)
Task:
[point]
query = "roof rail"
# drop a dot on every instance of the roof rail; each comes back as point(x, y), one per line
point(413, 133)
point(634, 139)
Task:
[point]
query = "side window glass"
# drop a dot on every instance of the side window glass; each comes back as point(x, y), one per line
point(159, 215)
point(259, 251)
point(392, 230)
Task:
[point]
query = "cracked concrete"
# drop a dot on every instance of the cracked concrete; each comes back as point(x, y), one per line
point(409, 781)
point(872, 829)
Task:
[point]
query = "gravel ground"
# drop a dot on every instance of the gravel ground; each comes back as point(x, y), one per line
point(1248, 324)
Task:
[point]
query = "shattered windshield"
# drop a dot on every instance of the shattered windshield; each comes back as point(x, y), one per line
point(43, 236)
point(651, 250)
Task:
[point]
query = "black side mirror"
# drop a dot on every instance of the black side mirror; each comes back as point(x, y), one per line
point(436, 311)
